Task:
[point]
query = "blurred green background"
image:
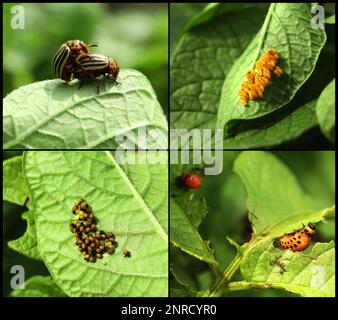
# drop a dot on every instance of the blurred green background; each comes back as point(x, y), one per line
point(136, 35)
point(227, 214)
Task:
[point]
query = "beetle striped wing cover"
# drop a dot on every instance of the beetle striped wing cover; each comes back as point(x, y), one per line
point(93, 62)
point(60, 60)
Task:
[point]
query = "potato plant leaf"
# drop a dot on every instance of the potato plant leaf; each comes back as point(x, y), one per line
point(39, 286)
point(326, 111)
point(180, 289)
point(128, 200)
point(273, 192)
point(14, 189)
point(28, 243)
point(187, 211)
point(184, 235)
point(276, 128)
point(212, 10)
point(309, 274)
point(200, 63)
point(287, 28)
point(55, 115)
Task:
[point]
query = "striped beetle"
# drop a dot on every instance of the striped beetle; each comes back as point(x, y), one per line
point(94, 65)
point(66, 58)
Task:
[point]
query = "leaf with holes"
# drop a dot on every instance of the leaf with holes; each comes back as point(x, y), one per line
point(28, 243)
point(186, 214)
point(128, 200)
point(309, 275)
point(55, 115)
point(287, 28)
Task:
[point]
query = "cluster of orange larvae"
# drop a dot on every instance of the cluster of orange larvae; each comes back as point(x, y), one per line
point(258, 79)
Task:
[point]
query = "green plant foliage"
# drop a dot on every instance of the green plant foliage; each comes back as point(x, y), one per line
point(39, 286)
point(28, 243)
point(200, 63)
point(180, 14)
point(221, 43)
point(129, 200)
point(326, 111)
point(14, 188)
point(186, 214)
point(282, 126)
point(310, 275)
point(276, 205)
point(268, 200)
point(52, 114)
point(184, 234)
point(298, 60)
point(142, 45)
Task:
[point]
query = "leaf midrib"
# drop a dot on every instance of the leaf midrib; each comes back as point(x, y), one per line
point(158, 227)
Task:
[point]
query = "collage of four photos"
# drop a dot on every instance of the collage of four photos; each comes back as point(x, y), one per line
point(168, 150)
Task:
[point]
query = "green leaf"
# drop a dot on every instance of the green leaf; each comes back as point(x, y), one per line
point(184, 234)
point(273, 192)
point(331, 19)
point(200, 63)
point(298, 53)
point(181, 289)
point(326, 111)
point(39, 286)
point(128, 200)
point(14, 189)
point(276, 128)
point(309, 275)
point(28, 243)
point(180, 13)
point(212, 10)
point(330, 13)
point(187, 211)
point(55, 115)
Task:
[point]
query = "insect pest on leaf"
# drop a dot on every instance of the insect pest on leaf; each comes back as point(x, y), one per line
point(299, 240)
point(95, 65)
point(66, 58)
point(126, 253)
point(259, 78)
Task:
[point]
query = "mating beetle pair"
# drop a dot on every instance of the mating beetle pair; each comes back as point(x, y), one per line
point(73, 60)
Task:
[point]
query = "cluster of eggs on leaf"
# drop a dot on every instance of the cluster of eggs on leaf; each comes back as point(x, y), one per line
point(90, 241)
point(259, 78)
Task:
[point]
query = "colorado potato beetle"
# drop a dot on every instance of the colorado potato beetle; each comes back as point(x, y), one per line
point(94, 65)
point(66, 57)
point(299, 240)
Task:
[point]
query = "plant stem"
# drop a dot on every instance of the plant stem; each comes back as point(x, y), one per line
point(227, 275)
point(220, 286)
